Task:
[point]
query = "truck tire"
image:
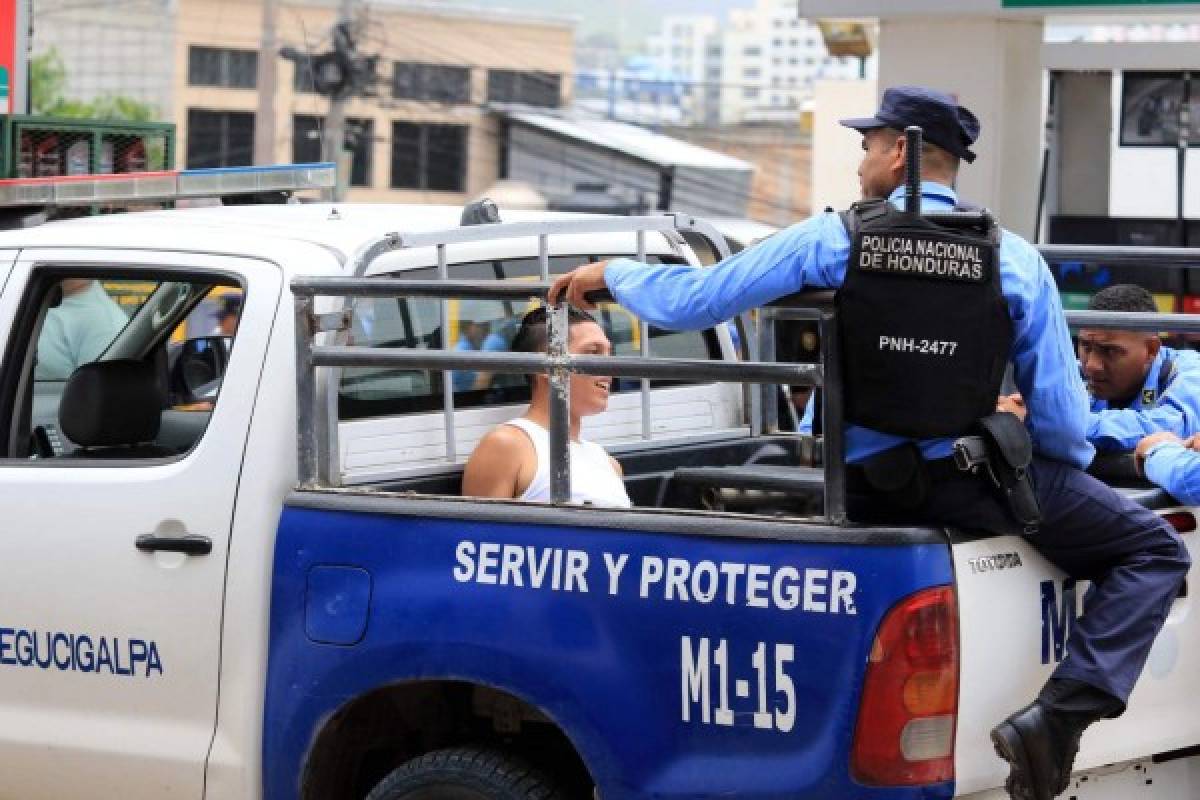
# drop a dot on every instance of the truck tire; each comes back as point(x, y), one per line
point(465, 773)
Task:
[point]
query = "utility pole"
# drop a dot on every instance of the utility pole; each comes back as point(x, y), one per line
point(335, 123)
point(339, 74)
point(268, 71)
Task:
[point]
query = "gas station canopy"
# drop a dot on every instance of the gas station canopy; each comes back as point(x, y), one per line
point(989, 8)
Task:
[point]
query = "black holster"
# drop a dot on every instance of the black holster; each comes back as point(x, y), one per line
point(1009, 454)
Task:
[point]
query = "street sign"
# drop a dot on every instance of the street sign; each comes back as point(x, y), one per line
point(847, 37)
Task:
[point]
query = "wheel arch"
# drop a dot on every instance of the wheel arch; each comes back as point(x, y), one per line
point(370, 735)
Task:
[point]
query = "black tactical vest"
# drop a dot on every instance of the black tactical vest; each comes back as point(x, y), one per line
point(925, 330)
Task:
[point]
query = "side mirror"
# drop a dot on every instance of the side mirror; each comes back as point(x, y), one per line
point(197, 369)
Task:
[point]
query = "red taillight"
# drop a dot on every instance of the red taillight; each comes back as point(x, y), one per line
point(906, 722)
point(1181, 521)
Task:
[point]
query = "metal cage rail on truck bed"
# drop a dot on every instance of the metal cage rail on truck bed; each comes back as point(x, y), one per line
point(317, 433)
point(317, 423)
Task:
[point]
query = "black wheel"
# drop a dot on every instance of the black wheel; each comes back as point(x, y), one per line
point(465, 773)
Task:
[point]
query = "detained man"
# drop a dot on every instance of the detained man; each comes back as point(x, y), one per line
point(1137, 385)
point(513, 461)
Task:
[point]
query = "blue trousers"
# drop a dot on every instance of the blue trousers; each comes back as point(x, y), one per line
point(1135, 561)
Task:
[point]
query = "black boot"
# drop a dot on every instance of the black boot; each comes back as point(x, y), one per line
point(1040, 746)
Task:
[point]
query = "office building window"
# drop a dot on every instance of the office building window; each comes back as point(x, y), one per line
point(431, 157)
point(542, 89)
point(308, 133)
point(215, 66)
point(435, 83)
point(219, 138)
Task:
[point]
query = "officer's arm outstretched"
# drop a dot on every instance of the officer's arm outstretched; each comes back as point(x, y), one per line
point(811, 254)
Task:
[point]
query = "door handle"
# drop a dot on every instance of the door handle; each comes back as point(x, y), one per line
point(190, 544)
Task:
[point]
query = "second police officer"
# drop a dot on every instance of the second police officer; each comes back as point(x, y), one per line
point(929, 316)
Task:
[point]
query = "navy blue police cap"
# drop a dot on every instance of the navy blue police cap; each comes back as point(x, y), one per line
point(943, 121)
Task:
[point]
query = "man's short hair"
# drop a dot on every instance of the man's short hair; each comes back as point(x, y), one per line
point(1123, 297)
point(533, 335)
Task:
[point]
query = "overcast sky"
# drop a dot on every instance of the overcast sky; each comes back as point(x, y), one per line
point(635, 18)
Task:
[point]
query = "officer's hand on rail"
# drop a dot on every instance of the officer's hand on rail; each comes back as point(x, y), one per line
point(574, 286)
point(1013, 404)
point(1147, 444)
point(1192, 442)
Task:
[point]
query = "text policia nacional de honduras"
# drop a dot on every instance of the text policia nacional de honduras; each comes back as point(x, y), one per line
point(919, 256)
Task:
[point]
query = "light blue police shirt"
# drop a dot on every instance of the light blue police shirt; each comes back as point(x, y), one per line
point(1176, 469)
point(813, 254)
point(1174, 406)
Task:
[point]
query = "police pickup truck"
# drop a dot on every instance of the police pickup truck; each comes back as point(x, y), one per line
point(238, 564)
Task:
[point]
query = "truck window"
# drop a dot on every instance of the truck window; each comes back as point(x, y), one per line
point(485, 325)
point(118, 370)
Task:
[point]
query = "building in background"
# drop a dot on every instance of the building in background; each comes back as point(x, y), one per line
point(758, 66)
point(770, 59)
point(779, 194)
point(581, 162)
point(110, 47)
point(427, 136)
point(689, 48)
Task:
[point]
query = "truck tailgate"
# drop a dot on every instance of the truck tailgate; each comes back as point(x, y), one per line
point(683, 656)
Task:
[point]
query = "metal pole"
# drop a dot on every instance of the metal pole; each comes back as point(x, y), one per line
point(1047, 147)
point(307, 436)
point(448, 375)
point(335, 122)
point(834, 455)
point(560, 406)
point(766, 352)
point(753, 341)
point(1181, 156)
point(544, 256)
point(644, 331)
point(268, 69)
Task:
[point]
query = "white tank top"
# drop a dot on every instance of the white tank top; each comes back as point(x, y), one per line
point(593, 479)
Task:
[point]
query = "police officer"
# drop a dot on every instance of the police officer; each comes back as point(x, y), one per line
point(1138, 385)
point(1135, 560)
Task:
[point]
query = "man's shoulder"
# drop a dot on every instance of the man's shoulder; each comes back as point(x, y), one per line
point(1015, 245)
point(1184, 359)
point(506, 436)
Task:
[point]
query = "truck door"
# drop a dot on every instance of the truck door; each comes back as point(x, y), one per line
point(122, 445)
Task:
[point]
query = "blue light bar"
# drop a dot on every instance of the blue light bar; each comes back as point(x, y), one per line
point(248, 180)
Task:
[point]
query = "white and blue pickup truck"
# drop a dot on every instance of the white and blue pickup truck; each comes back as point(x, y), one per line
point(238, 566)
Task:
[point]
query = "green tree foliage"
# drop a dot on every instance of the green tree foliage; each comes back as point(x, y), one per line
point(47, 89)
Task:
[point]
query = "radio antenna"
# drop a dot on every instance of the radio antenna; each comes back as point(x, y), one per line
point(912, 153)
